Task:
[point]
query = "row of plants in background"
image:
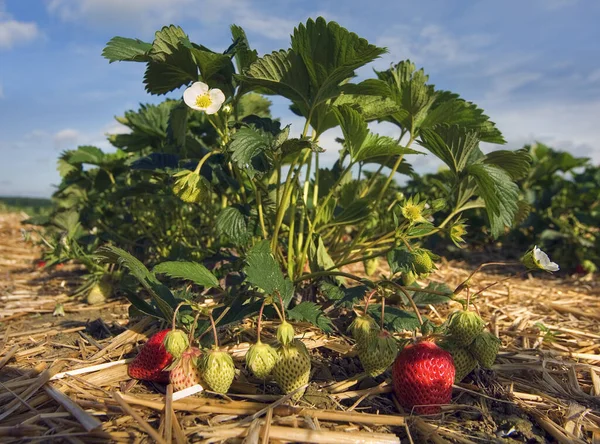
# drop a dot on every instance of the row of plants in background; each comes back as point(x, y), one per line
point(29, 205)
point(210, 198)
point(559, 209)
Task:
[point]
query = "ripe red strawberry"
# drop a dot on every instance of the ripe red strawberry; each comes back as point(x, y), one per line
point(148, 365)
point(423, 375)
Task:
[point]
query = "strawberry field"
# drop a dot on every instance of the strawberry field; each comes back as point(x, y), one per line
point(212, 280)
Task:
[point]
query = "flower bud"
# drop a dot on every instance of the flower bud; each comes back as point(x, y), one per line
point(285, 333)
point(457, 231)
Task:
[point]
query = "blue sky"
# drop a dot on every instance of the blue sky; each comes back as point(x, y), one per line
point(533, 65)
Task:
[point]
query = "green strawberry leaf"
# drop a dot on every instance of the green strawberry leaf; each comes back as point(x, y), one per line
point(396, 319)
point(189, 271)
point(499, 192)
point(121, 49)
point(263, 271)
point(423, 298)
point(160, 293)
point(311, 312)
point(232, 223)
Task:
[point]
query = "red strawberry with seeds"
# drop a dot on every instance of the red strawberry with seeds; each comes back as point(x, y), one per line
point(152, 359)
point(423, 375)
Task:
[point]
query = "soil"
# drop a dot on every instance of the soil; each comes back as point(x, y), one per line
point(544, 387)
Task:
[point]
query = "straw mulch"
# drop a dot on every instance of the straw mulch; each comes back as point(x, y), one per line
point(64, 379)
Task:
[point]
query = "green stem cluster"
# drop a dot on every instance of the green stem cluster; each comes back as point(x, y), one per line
point(298, 214)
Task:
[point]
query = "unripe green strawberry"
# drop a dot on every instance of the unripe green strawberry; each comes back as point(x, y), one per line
point(176, 342)
point(260, 359)
point(422, 262)
point(293, 368)
point(464, 362)
point(464, 327)
point(378, 354)
point(99, 293)
point(371, 266)
point(217, 370)
point(363, 329)
point(185, 373)
point(285, 333)
point(485, 349)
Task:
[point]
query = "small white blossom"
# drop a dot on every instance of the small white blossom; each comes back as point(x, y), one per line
point(536, 258)
point(201, 98)
point(543, 261)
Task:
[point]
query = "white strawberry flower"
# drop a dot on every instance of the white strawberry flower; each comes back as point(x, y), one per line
point(202, 98)
point(537, 259)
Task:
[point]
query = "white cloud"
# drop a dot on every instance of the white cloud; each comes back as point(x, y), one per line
point(36, 134)
point(116, 128)
point(268, 26)
point(145, 13)
point(14, 32)
point(66, 139)
point(594, 76)
point(148, 15)
point(503, 85)
point(433, 45)
point(565, 126)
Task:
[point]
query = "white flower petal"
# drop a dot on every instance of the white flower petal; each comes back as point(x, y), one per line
point(217, 96)
point(543, 260)
point(189, 97)
point(212, 108)
point(199, 88)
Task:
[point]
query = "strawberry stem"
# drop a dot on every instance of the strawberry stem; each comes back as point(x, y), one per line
point(410, 300)
point(382, 311)
point(486, 264)
point(282, 307)
point(281, 318)
point(501, 280)
point(193, 329)
point(175, 314)
point(367, 300)
point(214, 329)
point(259, 323)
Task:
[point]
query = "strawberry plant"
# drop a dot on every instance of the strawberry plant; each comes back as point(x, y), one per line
point(209, 197)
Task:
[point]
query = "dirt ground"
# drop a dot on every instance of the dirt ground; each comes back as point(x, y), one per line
point(544, 387)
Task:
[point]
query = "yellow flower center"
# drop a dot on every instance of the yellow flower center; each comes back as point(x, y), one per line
point(203, 101)
point(458, 230)
point(411, 212)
